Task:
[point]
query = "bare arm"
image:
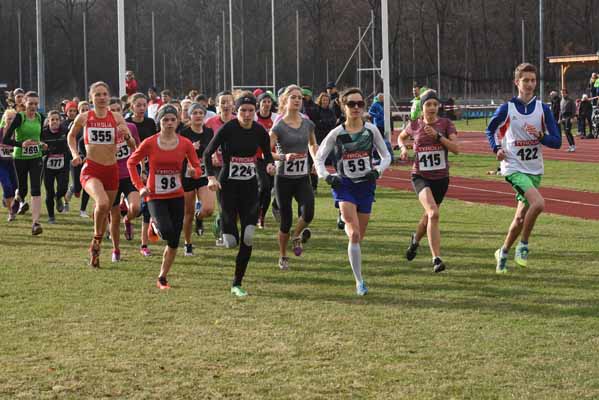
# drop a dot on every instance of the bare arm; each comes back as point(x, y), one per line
point(72, 136)
point(451, 143)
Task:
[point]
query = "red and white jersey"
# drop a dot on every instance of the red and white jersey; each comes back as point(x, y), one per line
point(523, 151)
point(100, 130)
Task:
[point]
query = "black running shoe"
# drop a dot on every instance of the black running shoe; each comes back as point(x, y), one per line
point(340, 222)
point(412, 249)
point(438, 265)
point(199, 226)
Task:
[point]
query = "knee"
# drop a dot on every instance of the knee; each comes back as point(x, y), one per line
point(248, 235)
point(103, 207)
point(538, 206)
point(229, 241)
point(207, 211)
point(134, 210)
point(433, 214)
point(308, 214)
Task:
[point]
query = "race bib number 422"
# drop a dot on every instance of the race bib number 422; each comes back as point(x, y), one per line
point(356, 164)
point(100, 135)
point(242, 168)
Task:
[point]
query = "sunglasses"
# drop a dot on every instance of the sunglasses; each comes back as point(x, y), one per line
point(353, 104)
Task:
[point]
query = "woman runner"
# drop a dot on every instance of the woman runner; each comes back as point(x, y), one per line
point(355, 181)
point(239, 140)
point(433, 138)
point(165, 152)
point(8, 176)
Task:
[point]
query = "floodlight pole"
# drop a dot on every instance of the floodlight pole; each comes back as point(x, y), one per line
point(541, 55)
point(85, 81)
point(153, 49)
point(20, 49)
point(438, 61)
point(41, 82)
point(297, 55)
point(385, 68)
point(121, 45)
point(523, 43)
point(231, 41)
point(274, 75)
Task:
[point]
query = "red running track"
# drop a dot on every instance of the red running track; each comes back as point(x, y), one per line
point(557, 201)
point(587, 150)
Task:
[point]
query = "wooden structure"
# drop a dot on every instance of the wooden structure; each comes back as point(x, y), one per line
point(566, 62)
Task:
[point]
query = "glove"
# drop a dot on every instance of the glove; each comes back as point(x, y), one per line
point(372, 176)
point(334, 180)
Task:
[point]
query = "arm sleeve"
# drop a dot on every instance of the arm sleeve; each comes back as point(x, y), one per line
point(193, 159)
point(327, 145)
point(8, 135)
point(265, 146)
point(138, 155)
point(381, 148)
point(553, 138)
point(496, 122)
point(214, 144)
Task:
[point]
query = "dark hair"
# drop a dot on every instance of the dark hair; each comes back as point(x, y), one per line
point(223, 93)
point(31, 93)
point(522, 68)
point(348, 92)
point(115, 100)
point(200, 97)
point(166, 92)
point(136, 96)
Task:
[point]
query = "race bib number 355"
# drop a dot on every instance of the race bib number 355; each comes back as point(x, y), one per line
point(242, 168)
point(167, 183)
point(356, 164)
point(100, 135)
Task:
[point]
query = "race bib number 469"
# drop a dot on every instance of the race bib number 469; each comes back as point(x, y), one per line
point(31, 150)
point(100, 135)
point(356, 164)
point(242, 168)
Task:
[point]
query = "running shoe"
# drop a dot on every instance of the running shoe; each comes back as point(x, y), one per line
point(11, 217)
point(412, 248)
point(94, 254)
point(4, 203)
point(297, 246)
point(216, 226)
point(59, 204)
point(36, 229)
point(83, 214)
point(306, 235)
point(51, 220)
point(128, 229)
point(239, 291)
point(361, 289)
point(283, 263)
point(220, 242)
point(438, 265)
point(199, 226)
point(261, 222)
point(15, 207)
point(23, 208)
point(521, 256)
point(153, 234)
point(66, 208)
point(188, 250)
point(340, 222)
point(501, 262)
point(145, 251)
point(162, 283)
point(276, 213)
point(123, 207)
point(69, 195)
point(116, 255)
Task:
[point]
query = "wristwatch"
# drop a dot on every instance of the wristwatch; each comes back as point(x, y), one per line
point(439, 136)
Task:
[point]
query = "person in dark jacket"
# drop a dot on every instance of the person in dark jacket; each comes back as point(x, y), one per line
point(585, 111)
point(567, 112)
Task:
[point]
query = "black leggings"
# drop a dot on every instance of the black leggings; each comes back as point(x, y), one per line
point(76, 174)
point(568, 131)
point(33, 168)
point(168, 216)
point(286, 189)
point(61, 176)
point(239, 199)
point(265, 185)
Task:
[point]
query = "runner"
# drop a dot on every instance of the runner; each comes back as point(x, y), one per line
point(99, 175)
point(75, 189)
point(196, 190)
point(355, 182)
point(165, 152)
point(56, 163)
point(146, 127)
point(516, 132)
point(8, 176)
point(294, 139)
point(154, 103)
point(130, 203)
point(433, 137)
point(239, 140)
point(24, 134)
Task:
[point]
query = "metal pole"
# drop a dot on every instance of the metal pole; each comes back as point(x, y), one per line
point(413, 59)
point(153, 49)
point(328, 71)
point(438, 62)
point(359, 57)
point(30, 64)
point(373, 54)
point(122, 55)
point(217, 63)
point(541, 55)
point(224, 53)
point(274, 72)
point(242, 45)
point(41, 84)
point(523, 43)
point(231, 40)
point(163, 71)
point(297, 57)
point(20, 49)
point(385, 68)
point(85, 81)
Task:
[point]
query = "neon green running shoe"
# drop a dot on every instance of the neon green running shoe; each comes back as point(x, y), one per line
point(521, 257)
point(501, 262)
point(239, 291)
point(216, 226)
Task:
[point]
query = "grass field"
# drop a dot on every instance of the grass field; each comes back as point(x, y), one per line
point(70, 332)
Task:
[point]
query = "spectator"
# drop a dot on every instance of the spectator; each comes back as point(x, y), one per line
point(585, 111)
point(154, 102)
point(567, 112)
point(377, 115)
point(326, 120)
point(166, 96)
point(211, 105)
point(334, 104)
point(310, 108)
point(595, 87)
point(130, 83)
point(416, 110)
point(555, 105)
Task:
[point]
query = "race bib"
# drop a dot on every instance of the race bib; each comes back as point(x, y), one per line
point(5, 152)
point(167, 183)
point(190, 176)
point(100, 135)
point(242, 168)
point(55, 161)
point(296, 166)
point(356, 164)
point(31, 150)
point(123, 151)
point(431, 160)
point(528, 154)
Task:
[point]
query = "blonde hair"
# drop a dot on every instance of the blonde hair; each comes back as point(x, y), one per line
point(96, 85)
point(285, 96)
point(8, 112)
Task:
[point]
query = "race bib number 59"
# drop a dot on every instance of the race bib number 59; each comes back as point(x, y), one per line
point(356, 164)
point(242, 168)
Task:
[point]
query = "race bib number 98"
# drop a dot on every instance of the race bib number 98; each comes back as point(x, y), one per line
point(296, 166)
point(356, 164)
point(431, 160)
point(100, 135)
point(167, 183)
point(55, 161)
point(242, 168)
